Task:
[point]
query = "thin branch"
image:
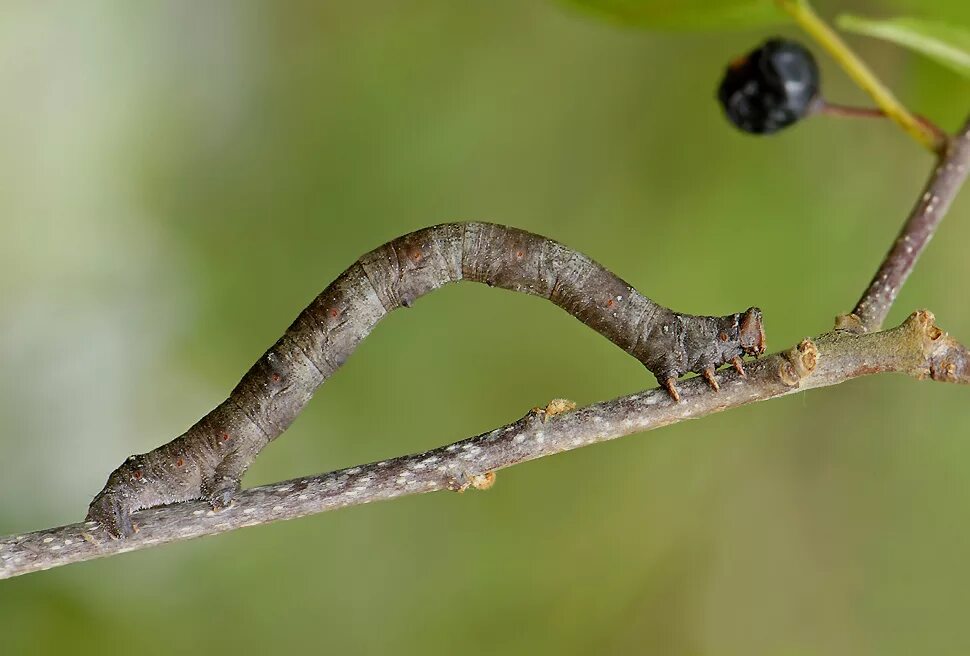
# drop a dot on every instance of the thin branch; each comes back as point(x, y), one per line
point(917, 348)
point(944, 184)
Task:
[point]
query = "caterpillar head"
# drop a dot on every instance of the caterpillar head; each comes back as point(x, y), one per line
point(751, 333)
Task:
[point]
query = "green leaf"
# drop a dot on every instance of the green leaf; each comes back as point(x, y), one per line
point(684, 14)
point(948, 45)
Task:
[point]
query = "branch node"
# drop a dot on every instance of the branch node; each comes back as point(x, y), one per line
point(922, 321)
point(800, 361)
point(553, 408)
point(850, 323)
point(946, 359)
point(463, 480)
point(787, 373)
point(483, 481)
point(952, 366)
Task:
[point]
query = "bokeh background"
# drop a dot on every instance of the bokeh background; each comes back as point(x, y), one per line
point(179, 179)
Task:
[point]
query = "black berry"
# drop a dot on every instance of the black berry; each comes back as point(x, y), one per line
point(770, 88)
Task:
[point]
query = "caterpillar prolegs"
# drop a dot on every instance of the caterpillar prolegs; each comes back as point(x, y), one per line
point(208, 460)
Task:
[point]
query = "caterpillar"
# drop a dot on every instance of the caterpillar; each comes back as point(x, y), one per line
point(208, 460)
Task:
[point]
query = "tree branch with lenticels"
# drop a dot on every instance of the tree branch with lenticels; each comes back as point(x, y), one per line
point(917, 348)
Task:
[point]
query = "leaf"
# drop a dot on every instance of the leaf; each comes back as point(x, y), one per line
point(683, 14)
point(947, 44)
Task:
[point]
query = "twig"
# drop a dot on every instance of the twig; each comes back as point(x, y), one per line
point(803, 14)
point(917, 348)
point(944, 184)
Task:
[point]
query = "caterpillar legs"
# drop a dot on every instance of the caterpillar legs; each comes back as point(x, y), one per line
point(670, 383)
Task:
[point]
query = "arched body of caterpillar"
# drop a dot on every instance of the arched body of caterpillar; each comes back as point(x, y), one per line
point(208, 461)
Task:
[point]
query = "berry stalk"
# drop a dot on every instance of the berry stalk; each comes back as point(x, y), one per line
point(803, 14)
point(823, 106)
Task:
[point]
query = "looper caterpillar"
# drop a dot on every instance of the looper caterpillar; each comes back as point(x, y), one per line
point(208, 460)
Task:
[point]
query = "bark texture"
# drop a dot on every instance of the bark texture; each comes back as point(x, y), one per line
point(934, 202)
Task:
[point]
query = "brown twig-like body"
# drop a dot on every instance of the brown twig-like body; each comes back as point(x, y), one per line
point(209, 460)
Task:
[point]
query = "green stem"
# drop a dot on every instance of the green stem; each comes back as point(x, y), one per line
point(805, 16)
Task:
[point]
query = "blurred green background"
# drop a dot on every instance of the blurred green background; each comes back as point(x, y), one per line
point(179, 179)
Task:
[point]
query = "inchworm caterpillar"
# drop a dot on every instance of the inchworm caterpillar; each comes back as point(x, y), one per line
point(208, 460)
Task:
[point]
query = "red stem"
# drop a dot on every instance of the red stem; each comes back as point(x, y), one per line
point(823, 106)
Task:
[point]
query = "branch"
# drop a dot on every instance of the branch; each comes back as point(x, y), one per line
point(917, 348)
point(933, 203)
